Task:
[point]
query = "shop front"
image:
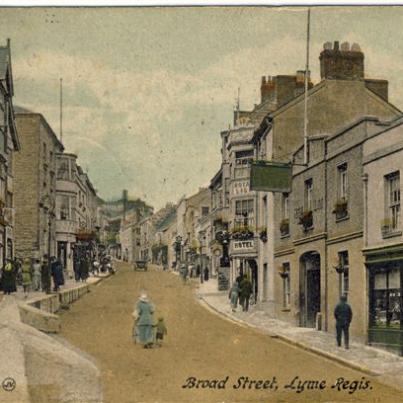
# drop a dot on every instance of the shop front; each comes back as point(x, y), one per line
point(385, 286)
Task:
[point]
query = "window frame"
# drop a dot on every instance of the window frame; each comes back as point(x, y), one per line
point(393, 199)
point(342, 181)
point(308, 194)
point(344, 278)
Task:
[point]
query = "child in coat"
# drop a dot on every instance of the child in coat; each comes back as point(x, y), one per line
point(160, 331)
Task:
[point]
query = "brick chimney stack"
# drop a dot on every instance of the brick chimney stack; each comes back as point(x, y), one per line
point(341, 62)
point(267, 89)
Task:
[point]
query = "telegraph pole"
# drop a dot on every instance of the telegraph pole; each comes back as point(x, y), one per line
point(61, 110)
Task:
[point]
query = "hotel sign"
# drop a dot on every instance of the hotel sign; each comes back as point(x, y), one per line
point(270, 177)
point(241, 245)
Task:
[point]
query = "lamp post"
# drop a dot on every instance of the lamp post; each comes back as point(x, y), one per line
point(48, 206)
point(223, 237)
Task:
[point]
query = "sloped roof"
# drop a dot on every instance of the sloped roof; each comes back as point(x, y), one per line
point(166, 221)
point(20, 109)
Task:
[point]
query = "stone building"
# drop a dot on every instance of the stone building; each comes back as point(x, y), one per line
point(238, 152)
point(181, 231)
point(35, 186)
point(147, 236)
point(115, 212)
point(320, 257)
point(9, 144)
point(197, 207)
point(342, 97)
point(383, 239)
point(163, 251)
point(67, 203)
point(204, 257)
point(79, 216)
point(169, 238)
point(129, 236)
point(219, 215)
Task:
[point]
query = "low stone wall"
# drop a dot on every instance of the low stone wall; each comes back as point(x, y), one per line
point(45, 321)
point(48, 303)
point(40, 312)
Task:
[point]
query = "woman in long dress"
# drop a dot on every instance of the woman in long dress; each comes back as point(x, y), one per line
point(144, 323)
point(8, 278)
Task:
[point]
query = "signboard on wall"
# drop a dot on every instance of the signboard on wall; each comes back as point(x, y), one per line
point(271, 177)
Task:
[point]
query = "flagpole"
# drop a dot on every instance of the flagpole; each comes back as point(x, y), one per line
point(237, 105)
point(306, 90)
point(61, 110)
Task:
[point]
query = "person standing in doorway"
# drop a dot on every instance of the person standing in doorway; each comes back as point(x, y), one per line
point(343, 315)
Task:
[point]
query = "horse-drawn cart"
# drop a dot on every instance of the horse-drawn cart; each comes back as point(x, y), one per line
point(140, 265)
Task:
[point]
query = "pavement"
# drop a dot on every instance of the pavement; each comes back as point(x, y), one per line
point(387, 367)
point(69, 284)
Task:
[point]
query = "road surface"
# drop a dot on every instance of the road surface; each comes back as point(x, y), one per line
point(201, 346)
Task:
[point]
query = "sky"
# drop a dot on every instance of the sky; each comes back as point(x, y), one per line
point(147, 91)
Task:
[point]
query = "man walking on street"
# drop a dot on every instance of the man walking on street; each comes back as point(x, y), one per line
point(343, 315)
point(245, 293)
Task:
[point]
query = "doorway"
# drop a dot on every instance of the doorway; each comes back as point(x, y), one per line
point(62, 253)
point(309, 288)
point(254, 278)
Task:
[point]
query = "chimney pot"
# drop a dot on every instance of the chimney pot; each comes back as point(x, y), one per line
point(345, 46)
point(327, 46)
point(355, 47)
point(344, 65)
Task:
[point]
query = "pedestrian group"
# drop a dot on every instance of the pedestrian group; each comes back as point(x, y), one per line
point(32, 275)
point(145, 331)
point(241, 292)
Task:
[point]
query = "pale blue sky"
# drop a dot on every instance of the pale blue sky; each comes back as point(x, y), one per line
point(148, 90)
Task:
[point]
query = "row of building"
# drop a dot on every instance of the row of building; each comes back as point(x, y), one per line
point(337, 228)
point(48, 204)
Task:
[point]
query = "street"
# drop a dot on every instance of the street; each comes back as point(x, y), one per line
point(200, 345)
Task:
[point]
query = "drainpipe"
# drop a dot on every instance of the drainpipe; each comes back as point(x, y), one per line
point(326, 256)
point(365, 239)
point(365, 182)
